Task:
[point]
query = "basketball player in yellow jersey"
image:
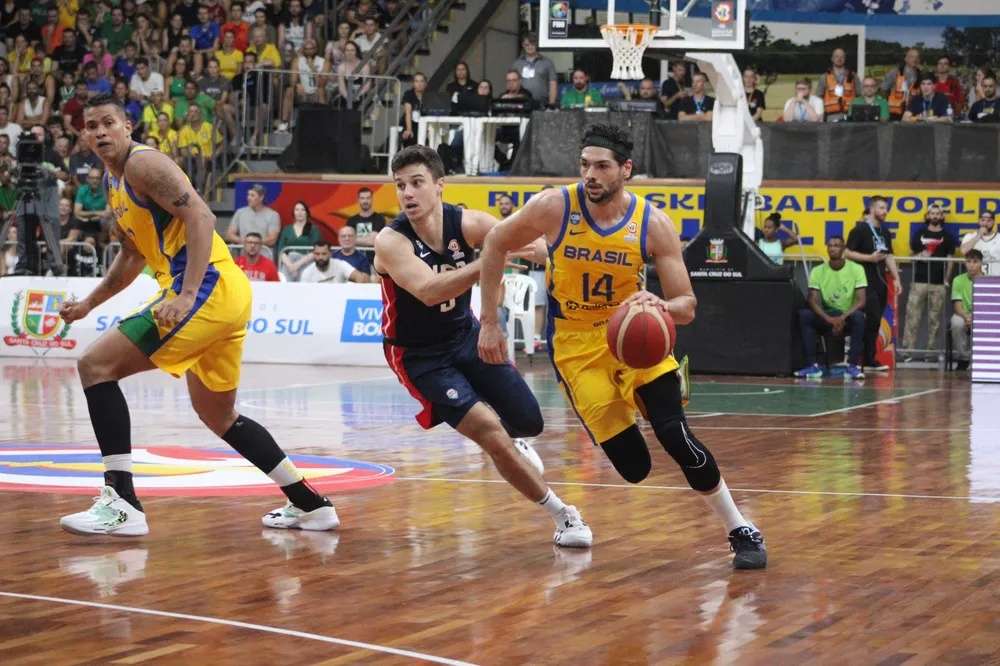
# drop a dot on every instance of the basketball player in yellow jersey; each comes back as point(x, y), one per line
point(599, 237)
point(194, 326)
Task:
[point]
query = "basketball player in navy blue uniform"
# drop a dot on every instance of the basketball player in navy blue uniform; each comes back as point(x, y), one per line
point(426, 258)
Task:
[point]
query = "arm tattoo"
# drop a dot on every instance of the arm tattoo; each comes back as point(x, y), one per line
point(182, 201)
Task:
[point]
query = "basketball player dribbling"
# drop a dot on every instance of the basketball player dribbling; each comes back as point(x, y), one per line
point(426, 258)
point(194, 326)
point(599, 237)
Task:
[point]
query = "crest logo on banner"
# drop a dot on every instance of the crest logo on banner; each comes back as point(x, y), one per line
point(35, 320)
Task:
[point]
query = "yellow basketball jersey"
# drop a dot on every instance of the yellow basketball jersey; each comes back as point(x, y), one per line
point(159, 236)
point(592, 270)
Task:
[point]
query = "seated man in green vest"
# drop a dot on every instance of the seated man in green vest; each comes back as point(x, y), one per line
point(961, 297)
point(581, 95)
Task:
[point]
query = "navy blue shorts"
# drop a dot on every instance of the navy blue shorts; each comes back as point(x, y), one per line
point(449, 379)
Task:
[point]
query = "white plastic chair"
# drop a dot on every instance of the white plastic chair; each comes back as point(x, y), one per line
point(519, 299)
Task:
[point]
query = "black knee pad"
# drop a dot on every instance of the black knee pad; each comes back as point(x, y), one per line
point(628, 453)
point(662, 401)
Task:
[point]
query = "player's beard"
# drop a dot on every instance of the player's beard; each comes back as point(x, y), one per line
point(607, 193)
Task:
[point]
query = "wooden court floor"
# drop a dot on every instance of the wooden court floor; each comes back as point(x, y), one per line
point(880, 504)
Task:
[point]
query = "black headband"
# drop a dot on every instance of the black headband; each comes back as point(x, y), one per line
point(618, 148)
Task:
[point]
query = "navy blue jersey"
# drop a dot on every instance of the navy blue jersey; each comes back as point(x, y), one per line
point(406, 321)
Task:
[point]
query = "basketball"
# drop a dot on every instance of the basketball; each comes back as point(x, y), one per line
point(640, 336)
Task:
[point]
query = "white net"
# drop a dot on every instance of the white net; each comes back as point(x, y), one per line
point(628, 41)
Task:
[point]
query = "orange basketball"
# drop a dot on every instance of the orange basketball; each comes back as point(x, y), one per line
point(640, 336)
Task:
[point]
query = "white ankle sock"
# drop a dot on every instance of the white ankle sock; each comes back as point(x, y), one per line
point(552, 503)
point(285, 473)
point(121, 462)
point(724, 507)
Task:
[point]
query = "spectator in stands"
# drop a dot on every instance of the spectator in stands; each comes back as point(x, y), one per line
point(188, 9)
point(295, 29)
point(301, 233)
point(949, 85)
point(10, 247)
point(306, 85)
point(239, 28)
point(33, 109)
point(205, 35)
point(581, 95)
point(837, 297)
point(675, 89)
point(985, 110)
point(157, 105)
point(929, 106)
point(869, 97)
point(505, 206)
point(348, 239)
point(837, 88)
point(900, 84)
point(328, 270)
point(352, 84)
point(185, 52)
point(45, 80)
point(7, 161)
point(976, 87)
point(51, 32)
point(412, 103)
point(166, 136)
point(334, 52)
point(145, 81)
point(771, 243)
point(230, 58)
point(649, 93)
point(171, 36)
point(367, 223)
point(146, 38)
point(268, 56)
point(124, 66)
point(929, 286)
point(255, 216)
point(96, 84)
point(804, 107)
point(961, 297)
point(133, 110)
point(257, 267)
point(986, 240)
point(696, 107)
point(461, 84)
point(262, 21)
point(537, 73)
point(69, 56)
point(870, 244)
point(12, 130)
point(755, 98)
point(367, 37)
point(117, 32)
point(194, 97)
point(82, 161)
point(218, 88)
point(197, 140)
point(91, 204)
point(180, 74)
point(24, 27)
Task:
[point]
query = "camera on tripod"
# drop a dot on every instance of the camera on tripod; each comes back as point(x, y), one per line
point(30, 157)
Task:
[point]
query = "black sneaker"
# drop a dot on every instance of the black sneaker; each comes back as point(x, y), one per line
point(748, 544)
point(961, 365)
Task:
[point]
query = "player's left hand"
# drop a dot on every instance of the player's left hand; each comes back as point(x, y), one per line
point(492, 344)
point(172, 311)
point(647, 298)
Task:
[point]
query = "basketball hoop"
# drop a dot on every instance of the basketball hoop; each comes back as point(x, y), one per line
point(628, 41)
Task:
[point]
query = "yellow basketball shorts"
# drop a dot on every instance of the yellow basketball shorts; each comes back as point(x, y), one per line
point(209, 340)
point(600, 388)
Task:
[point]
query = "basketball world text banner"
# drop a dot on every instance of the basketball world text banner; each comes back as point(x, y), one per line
point(314, 324)
point(817, 212)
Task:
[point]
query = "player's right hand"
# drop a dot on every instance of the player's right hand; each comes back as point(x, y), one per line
point(72, 310)
point(492, 344)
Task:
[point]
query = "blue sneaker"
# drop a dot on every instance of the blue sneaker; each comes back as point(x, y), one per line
point(854, 372)
point(814, 371)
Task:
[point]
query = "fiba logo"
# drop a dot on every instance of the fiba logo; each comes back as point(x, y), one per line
point(723, 11)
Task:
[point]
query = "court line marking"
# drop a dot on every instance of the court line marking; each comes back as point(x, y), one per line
point(878, 402)
point(688, 488)
point(243, 625)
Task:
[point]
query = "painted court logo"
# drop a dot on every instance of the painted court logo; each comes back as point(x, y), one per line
point(174, 471)
point(34, 318)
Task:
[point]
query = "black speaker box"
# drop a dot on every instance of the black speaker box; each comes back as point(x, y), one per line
point(325, 139)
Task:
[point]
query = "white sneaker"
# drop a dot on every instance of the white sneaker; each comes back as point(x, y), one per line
point(291, 517)
point(528, 452)
point(110, 514)
point(571, 531)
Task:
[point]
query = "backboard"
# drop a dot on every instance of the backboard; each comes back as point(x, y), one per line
point(688, 25)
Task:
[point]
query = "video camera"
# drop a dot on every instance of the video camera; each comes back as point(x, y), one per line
point(30, 157)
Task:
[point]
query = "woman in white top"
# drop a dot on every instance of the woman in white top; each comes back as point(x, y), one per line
point(351, 88)
point(33, 109)
point(986, 240)
point(10, 251)
point(771, 244)
point(297, 29)
point(334, 52)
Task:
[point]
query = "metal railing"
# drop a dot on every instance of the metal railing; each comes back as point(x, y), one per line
point(265, 106)
point(79, 258)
